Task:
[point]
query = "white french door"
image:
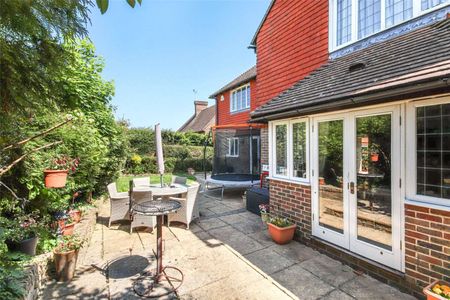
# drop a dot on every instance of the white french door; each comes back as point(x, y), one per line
point(355, 182)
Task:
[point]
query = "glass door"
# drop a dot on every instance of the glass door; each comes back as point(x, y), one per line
point(355, 182)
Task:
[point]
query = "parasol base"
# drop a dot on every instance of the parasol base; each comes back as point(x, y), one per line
point(153, 285)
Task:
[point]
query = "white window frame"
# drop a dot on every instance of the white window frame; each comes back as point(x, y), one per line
point(411, 160)
point(332, 25)
point(235, 103)
point(233, 143)
point(289, 142)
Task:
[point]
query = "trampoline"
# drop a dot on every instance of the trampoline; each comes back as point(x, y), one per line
point(236, 163)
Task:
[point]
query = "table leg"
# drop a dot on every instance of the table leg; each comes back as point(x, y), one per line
point(159, 221)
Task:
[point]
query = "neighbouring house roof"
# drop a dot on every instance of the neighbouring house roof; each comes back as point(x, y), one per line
point(241, 79)
point(253, 42)
point(201, 122)
point(413, 62)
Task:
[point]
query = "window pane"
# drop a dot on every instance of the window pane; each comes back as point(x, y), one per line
point(233, 101)
point(244, 98)
point(398, 11)
point(344, 21)
point(433, 152)
point(427, 4)
point(369, 17)
point(238, 100)
point(248, 97)
point(281, 149)
point(299, 149)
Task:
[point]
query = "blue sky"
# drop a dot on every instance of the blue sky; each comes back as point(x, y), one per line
point(159, 52)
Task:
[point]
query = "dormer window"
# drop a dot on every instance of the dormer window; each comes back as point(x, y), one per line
point(240, 98)
point(353, 20)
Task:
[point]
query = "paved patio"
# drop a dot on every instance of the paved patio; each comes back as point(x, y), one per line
point(226, 254)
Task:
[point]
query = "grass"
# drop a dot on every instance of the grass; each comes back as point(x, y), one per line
point(124, 181)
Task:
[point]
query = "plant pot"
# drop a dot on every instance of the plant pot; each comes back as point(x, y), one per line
point(55, 178)
point(265, 217)
point(430, 294)
point(321, 181)
point(68, 229)
point(27, 246)
point(75, 215)
point(374, 157)
point(65, 264)
point(281, 235)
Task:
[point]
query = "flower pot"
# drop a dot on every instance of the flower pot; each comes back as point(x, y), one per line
point(374, 157)
point(27, 246)
point(65, 264)
point(428, 290)
point(281, 235)
point(265, 217)
point(75, 215)
point(55, 178)
point(68, 229)
point(321, 181)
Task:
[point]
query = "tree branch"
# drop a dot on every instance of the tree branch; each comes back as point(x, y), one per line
point(5, 169)
point(36, 136)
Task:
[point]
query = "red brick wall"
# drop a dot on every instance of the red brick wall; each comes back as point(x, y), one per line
point(427, 245)
point(292, 201)
point(224, 117)
point(292, 42)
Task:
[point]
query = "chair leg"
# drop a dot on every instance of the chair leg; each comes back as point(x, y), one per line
point(109, 223)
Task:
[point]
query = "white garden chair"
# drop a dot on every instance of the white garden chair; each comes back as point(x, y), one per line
point(189, 207)
point(138, 220)
point(179, 180)
point(144, 181)
point(120, 204)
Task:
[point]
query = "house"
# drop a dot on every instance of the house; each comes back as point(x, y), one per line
point(203, 119)
point(356, 95)
point(237, 143)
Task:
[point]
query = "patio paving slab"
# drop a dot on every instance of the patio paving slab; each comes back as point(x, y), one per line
point(294, 251)
point(268, 261)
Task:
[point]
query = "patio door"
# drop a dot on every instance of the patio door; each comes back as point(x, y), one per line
point(356, 177)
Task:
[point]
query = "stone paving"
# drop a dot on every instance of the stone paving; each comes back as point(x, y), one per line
point(226, 254)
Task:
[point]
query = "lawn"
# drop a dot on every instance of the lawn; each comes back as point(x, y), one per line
point(123, 181)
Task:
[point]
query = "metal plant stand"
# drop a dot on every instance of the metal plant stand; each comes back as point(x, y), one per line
point(158, 282)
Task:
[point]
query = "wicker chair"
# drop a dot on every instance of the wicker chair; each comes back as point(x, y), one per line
point(179, 180)
point(189, 207)
point(120, 204)
point(144, 181)
point(138, 220)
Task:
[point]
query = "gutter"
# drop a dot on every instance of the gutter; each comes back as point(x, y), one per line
point(355, 101)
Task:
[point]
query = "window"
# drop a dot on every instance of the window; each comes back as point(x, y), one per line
point(433, 150)
point(372, 16)
point(240, 98)
point(281, 150)
point(290, 150)
point(233, 147)
point(299, 150)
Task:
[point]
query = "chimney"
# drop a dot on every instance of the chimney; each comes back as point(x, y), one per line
point(199, 106)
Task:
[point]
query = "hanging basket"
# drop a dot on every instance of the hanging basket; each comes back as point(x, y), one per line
point(55, 178)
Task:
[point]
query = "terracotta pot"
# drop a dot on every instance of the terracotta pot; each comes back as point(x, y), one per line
point(65, 264)
point(281, 235)
point(430, 294)
point(68, 229)
point(374, 157)
point(55, 178)
point(27, 246)
point(75, 215)
point(321, 181)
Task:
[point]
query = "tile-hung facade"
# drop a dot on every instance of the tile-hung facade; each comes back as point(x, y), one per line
point(359, 148)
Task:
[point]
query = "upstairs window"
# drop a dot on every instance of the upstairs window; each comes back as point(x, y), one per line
point(233, 147)
point(352, 20)
point(240, 99)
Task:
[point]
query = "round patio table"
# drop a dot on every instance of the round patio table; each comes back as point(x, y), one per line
point(158, 283)
point(174, 189)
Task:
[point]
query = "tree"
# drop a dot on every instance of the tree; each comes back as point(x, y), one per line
point(103, 4)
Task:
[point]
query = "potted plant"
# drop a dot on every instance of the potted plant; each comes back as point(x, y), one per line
point(438, 290)
point(66, 255)
point(281, 230)
point(69, 225)
point(264, 212)
point(21, 234)
point(56, 175)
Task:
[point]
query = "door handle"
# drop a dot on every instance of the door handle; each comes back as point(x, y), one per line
point(352, 187)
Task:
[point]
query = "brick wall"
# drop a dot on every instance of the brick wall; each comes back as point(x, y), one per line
point(427, 245)
point(264, 144)
point(293, 201)
point(292, 42)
